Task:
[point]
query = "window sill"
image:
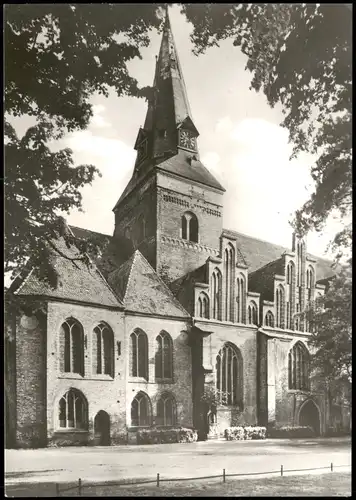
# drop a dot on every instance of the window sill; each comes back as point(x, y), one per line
point(98, 376)
point(164, 381)
point(73, 376)
point(138, 380)
point(300, 391)
point(62, 430)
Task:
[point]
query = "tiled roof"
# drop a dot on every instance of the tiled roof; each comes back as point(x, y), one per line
point(143, 291)
point(76, 281)
point(195, 171)
point(258, 253)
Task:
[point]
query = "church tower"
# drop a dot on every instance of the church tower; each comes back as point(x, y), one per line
point(171, 209)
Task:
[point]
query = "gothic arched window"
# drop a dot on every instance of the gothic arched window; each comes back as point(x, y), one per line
point(164, 356)
point(203, 306)
point(73, 411)
point(190, 227)
point(141, 410)
point(166, 410)
point(73, 355)
point(104, 344)
point(252, 313)
point(240, 299)
point(216, 287)
point(139, 354)
point(280, 307)
point(269, 319)
point(229, 375)
point(229, 269)
point(290, 293)
point(299, 367)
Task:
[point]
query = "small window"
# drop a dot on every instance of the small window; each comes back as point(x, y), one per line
point(269, 319)
point(190, 227)
point(252, 314)
point(162, 133)
point(203, 306)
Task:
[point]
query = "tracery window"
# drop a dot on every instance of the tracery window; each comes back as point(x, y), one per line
point(299, 367)
point(166, 410)
point(216, 287)
point(229, 375)
point(73, 411)
point(229, 264)
point(141, 410)
point(280, 307)
point(269, 319)
point(240, 299)
point(104, 339)
point(252, 313)
point(203, 306)
point(73, 334)
point(164, 356)
point(139, 354)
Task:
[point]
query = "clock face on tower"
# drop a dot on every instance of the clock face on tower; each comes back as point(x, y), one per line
point(187, 139)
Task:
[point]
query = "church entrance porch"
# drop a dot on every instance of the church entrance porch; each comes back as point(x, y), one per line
point(309, 416)
point(102, 429)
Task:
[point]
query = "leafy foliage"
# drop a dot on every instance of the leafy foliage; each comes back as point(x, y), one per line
point(245, 433)
point(57, 57)
point(299, 55)
point(332, 324)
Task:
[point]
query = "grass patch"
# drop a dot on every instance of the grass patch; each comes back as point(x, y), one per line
point(328, 484)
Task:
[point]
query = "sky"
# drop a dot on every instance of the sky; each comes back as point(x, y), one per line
point(240, 142)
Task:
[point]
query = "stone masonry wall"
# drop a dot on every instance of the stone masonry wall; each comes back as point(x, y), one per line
point(31, 381)
point(244, 338)
point(176, 257)
point(181, 386)
point(101, 391)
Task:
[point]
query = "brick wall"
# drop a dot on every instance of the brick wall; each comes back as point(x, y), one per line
point(244, 338)
point(181, 386)
point(100, 391)
point(31, 381)
point(141, 201)
point(176, 257)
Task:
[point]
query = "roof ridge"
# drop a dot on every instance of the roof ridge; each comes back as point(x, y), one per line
point(164, 284)
point(133, 257)
point(70, 226)
point(24, 281)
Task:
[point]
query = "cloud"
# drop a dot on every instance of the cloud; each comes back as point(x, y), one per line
point(97, 119)
point(115, 160)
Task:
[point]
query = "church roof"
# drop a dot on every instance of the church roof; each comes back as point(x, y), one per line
point(194, 170)
point(258, 253)
point(142, 290)
point(76, 281)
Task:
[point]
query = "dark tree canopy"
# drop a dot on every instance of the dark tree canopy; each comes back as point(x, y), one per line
point(299, 55)
point(56, 57)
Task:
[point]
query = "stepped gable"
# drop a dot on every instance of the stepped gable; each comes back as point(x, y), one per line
point(76, 281)
point(143, 291)
point(258, 253)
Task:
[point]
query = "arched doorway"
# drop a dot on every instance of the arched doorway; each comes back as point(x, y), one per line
point(102, 429)
point(309, 416)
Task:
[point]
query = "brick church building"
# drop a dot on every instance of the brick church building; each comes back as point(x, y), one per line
point(176, 306)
